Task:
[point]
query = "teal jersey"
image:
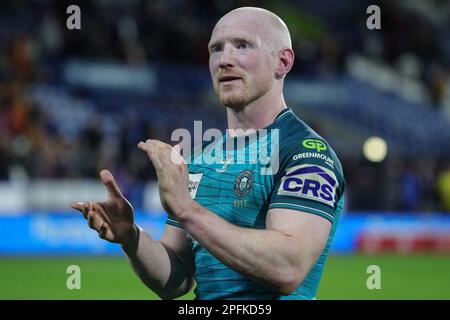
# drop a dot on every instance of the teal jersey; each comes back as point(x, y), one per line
point(300, 171)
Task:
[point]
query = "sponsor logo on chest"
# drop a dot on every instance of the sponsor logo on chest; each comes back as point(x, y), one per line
point(194, 182)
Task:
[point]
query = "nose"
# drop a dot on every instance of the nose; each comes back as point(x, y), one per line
point(227, 57)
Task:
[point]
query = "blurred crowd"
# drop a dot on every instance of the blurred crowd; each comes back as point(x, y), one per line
point(34, 38)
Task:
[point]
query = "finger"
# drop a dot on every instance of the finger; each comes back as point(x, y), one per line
point(152, 145)
point(77, 206)
point(94, 220)
point(87, 206)
point(102, 230)
point(83, 207)
point(110, 184)
point(99, 208)
point(146, 146)
point(151, 152)
point(105, 232)
point(143, 146)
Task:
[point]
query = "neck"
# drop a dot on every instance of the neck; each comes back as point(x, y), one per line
point(256, 115)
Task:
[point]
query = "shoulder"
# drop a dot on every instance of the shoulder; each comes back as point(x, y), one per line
point(309, 176)
point(300, 144)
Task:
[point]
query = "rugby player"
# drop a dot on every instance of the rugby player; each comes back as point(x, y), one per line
point(232, 231)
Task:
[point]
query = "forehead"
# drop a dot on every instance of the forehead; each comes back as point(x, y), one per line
point(240, 26)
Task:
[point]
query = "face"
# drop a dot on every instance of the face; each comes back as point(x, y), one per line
point(240, 62)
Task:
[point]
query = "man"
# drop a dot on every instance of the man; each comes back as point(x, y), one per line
point(238, 234)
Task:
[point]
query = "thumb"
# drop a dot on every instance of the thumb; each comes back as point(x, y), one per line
point(111, 186)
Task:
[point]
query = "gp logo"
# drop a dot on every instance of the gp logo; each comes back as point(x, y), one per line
point(194, 182)
point(314, 144)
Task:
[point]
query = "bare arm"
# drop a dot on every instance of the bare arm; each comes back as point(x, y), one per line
point(279, 257)
point(165, 266)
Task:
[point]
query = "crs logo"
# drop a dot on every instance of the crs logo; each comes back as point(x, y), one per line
point(311, 182)
point(314, 144)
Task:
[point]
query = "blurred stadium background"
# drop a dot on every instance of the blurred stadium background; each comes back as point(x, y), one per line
point(75, 101)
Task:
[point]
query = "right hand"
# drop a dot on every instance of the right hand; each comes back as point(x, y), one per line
point(112, 219)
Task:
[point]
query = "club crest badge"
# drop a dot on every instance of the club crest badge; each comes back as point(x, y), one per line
point(243, 183)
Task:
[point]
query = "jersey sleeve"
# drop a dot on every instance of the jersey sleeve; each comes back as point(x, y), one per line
point(309, 179)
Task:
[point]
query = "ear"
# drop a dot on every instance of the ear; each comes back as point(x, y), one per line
point(285, 62)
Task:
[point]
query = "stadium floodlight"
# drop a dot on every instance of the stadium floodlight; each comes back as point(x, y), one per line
point(375, 149)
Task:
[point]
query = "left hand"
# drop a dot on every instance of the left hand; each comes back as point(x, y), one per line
point(173, 176)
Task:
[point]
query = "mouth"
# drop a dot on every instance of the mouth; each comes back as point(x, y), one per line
point(228, 79)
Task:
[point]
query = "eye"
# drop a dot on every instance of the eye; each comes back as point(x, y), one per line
point(243, 45)
point(215, 49)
